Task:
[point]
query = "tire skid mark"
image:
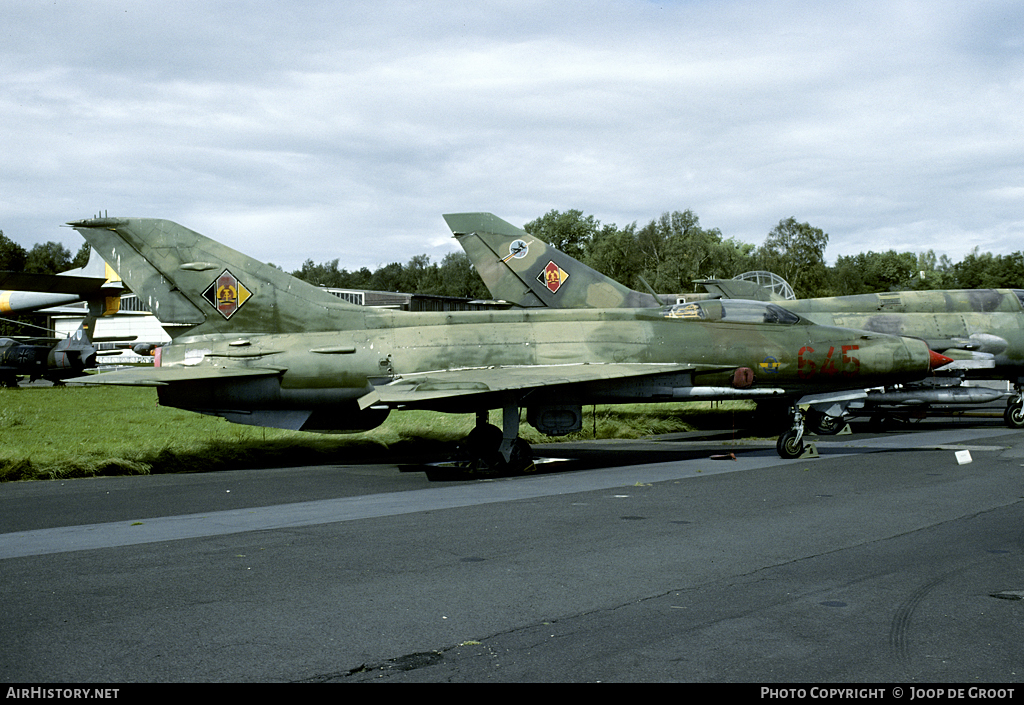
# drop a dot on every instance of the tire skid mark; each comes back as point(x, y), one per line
point(900, 626)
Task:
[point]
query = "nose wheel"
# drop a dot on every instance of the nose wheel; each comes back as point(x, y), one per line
point(1014, 414)
point(791, 443)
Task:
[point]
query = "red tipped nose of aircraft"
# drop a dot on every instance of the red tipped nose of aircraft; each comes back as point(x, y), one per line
point(938, 360)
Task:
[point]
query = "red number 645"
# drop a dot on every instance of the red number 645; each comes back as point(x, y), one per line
point(807, 368)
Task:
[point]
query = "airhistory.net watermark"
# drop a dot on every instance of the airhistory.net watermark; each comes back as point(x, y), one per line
point(49, 693)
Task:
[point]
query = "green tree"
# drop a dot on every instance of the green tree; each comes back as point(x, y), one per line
point(1011, 271)
point(328, 274)
point(325, 274)
point(419, 276)
point(671, 252)
point(12, 259)
point(458, 278)
point(354, 280)
point(390, 277)
point(732, 257)
point(614, 253)
point(987, 271)
point(933, 272)
point(796, 252)
point(81, 257)
point(12, 255)
point(846, 278)
point(687, 251)
point(873, 272)
point(48, 258)
point(571, 231)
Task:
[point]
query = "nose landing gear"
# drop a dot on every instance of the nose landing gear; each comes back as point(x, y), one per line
point(791, 443)
point(1014, 414)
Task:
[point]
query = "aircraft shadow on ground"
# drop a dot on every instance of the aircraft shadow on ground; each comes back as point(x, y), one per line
point(734, 444)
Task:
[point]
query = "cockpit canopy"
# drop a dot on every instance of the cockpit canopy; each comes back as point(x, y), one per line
point(732, 311)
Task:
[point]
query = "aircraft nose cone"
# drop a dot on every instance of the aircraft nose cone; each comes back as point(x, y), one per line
point(936, 360)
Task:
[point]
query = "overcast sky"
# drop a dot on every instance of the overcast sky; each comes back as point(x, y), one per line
point(321, 130)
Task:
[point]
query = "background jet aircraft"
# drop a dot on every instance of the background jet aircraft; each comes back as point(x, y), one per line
point(69, 357)
point(524, 271)
point(264, 348)
point(23, 291)
point(981, 330)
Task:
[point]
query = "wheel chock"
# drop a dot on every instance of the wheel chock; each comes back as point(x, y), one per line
point(810, 451)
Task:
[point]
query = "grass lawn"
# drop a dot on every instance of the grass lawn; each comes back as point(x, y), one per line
point(60, 432)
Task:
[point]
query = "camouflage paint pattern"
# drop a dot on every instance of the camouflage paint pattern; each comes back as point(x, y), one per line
point(956, 323)
point(967, 325)
point(289, 354)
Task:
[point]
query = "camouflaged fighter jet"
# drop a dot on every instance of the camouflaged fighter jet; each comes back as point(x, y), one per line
point(982, 331)
point(257, 346)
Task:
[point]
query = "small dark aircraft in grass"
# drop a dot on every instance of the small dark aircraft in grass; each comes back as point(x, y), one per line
point(54, 360)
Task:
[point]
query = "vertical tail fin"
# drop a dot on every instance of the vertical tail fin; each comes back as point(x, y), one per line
point(525, 271)
point(76, 353)
point(190, 281)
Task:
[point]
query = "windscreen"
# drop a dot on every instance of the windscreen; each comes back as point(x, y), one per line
point(732, 311)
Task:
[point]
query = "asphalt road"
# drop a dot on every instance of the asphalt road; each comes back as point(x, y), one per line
point(884, 560)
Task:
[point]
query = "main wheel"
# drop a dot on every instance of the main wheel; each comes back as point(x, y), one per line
point(482, 445)
point(823, 424)
point(521, 459)
point(879, 422)
point(789, 445)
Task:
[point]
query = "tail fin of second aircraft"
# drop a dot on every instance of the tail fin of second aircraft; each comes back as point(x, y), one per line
point(189, 281)
point(76, 353)
point(524, 271)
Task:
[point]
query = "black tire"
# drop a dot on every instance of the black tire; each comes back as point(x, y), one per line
point(484, 438)
point(482, 445)
point(521, 459)
point(1014, 414)
point(825, 425)
point(879, 422)
point(789, 446)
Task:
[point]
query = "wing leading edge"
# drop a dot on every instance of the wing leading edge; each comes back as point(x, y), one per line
point(161, 376)
point(428, 388)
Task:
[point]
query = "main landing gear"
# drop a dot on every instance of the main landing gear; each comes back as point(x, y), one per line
point(488, 448)
point(824, 424)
